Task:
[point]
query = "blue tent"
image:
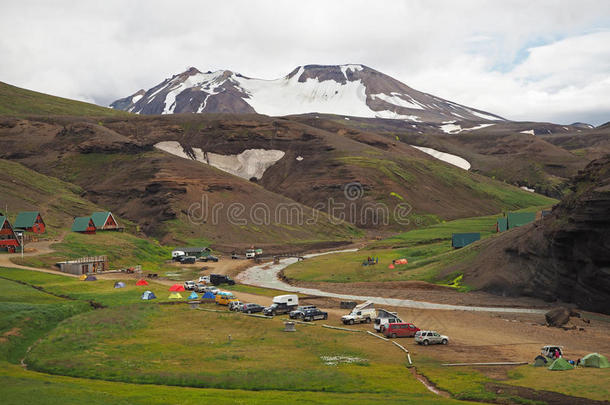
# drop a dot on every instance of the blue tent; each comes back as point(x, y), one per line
point(148, 295)
point(193, 296)
point(208, 295)
point(91, 277)
point(119, 284)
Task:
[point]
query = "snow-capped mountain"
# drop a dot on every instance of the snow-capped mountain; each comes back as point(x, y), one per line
point(351, 90)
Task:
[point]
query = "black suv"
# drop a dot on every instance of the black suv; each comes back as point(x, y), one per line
point(251, 308)
point(208, 258)
point(298, 313)
point(314, 314)
point(218, 279)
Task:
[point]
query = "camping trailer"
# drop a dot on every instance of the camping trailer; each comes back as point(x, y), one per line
point(364, 312)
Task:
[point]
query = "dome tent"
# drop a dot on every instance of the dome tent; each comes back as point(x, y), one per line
point(175, 296)
point(148, 295)
point(193, 296)
point(595, 360)
point(560, 364)
point(119, 284)
point(177, 288)
point(142, 282)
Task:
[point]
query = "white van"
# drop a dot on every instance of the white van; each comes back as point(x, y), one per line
point(384, 318)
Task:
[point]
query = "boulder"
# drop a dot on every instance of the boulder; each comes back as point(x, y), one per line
point(557, 316)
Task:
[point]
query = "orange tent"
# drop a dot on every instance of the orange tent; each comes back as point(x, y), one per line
point(142, 282)
point(176, 287)
point(401, 261)
point(391, 266)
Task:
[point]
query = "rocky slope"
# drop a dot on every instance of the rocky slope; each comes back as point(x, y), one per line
point(352, 90)
point(565, 257)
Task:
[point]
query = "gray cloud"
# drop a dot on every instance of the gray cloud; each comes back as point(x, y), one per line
point(525, 60)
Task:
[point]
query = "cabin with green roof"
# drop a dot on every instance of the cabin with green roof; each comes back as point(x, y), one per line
point(30, 221)
point(516, 219)
point(8, 239)
point(105, 221)
point(83, 225)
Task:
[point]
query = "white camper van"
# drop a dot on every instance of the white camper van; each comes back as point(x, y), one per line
point(362, 313)
point(384, 318)
point(282, 304)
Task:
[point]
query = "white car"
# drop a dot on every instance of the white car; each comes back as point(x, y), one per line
point(212, 289)
point(204, 279)
point(430, 337)
point(189, 285)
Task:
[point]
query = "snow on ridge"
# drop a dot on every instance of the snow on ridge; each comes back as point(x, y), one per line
point(395, 116)
point(207, 81)
point(248, 164)
point(345, 68)
point(445, 157)
point(529, 132)
point(480, 126)
point(451, 128)
point(394, 98)
point(484, 116)
point(137, 98)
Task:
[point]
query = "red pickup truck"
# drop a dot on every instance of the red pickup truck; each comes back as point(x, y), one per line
point(402, 329)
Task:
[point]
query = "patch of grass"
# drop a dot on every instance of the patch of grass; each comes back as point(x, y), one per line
point(592, 383)
point(27, 314)
point(16, 101)
point(123, 250)
point(101, 291)
point(151, 347)
point(18, 385)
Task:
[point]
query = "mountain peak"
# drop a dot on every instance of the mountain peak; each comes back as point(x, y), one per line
point(349, 89)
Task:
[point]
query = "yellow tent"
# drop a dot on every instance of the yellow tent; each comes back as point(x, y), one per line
point(175, 296)
point(83, 277)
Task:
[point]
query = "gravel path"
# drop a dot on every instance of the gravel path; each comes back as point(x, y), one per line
point(266, 275)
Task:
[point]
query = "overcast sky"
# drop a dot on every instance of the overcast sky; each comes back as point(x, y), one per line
point(524, 60)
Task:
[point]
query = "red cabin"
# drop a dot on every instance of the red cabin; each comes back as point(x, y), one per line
point(83, 225)
point(8, 239)
point(30, 221)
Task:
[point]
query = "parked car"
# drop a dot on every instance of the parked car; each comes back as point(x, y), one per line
point(187, 259)
point(189, 285)
point(430, 337)
point(209, 258)
point(234, 256)
point(225, 298)
point(298, 313)
point(235, 305)
point(218, 279)
point(400, 329)
point(314, 315)
point(204, 279)
point(251, 308)
point(362, 313)
point(384, 318)
point(199, 287)
point(211, 289)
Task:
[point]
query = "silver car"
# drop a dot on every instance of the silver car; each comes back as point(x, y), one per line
point(430, 337)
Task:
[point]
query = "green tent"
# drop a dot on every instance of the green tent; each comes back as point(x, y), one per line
point(595, 360)
point(561, 364)
point(502, 225)
point(540, 361)
point(459, 240)
point(516, 219)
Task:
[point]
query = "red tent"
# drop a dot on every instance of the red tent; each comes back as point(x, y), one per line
point(391, 266)
point(142, 282)
point(176, 287)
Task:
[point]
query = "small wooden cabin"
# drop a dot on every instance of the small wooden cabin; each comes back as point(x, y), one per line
point(105, 221)
point(30, 221)
point(8, 239)
point(83, 225)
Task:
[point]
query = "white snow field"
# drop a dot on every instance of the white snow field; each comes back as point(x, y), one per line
point(445, 157)
point(248, 164)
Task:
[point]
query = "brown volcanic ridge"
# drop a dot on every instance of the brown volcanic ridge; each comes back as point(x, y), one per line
point(564, 257)
point(115, 162)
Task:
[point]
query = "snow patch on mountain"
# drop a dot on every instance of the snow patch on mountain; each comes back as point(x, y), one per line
point(445, 157)
point(529, 132)
point(451, 128)
point(248, 164)
point(396, 99)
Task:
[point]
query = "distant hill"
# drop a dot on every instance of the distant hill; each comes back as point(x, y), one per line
point(16, 101)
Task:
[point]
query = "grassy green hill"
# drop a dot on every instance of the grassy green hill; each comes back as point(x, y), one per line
point(18, 102)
